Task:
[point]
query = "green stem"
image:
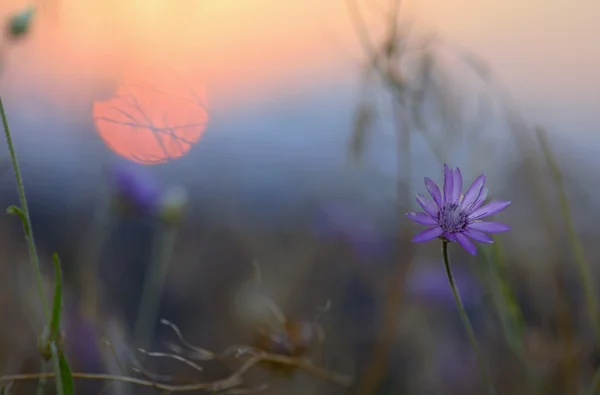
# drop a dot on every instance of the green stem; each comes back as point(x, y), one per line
point(595, 383)
point(25, 209)
point(41, 386)
point(583, 266)
point(56, 362)
point(153, 285)
point(30, 241)
point(90, 257)
point(465, 319)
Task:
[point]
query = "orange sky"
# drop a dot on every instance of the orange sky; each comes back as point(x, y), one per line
point(242, 49)
point(241, 45)
point(231, 44)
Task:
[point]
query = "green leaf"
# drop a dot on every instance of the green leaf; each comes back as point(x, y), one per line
point(14, 210)
point(2, 390)
point(57, 303)
point(66, 376)
point(62, 371)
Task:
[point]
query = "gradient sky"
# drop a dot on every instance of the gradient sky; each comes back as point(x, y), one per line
point(245, 51)
point(255, 44)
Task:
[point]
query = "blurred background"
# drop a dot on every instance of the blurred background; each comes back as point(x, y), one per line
point(300, 131)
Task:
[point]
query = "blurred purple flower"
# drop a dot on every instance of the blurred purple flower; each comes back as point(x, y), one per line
point(137, 192)
point(456, 367)
point(457, 217)
point(339, 221)
point(429, 284)
point(81, 342)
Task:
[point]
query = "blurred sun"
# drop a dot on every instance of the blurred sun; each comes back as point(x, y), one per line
point(153, 119)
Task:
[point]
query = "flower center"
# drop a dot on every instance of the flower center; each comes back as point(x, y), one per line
point(451, 218)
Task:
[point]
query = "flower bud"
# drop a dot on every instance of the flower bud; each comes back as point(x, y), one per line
point(136, 191)
point(173, 205)
point(20, 23)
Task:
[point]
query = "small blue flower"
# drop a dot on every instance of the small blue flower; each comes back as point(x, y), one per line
point(136, 191)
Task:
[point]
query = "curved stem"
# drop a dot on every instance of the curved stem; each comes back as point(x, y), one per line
point(25, 209)
point(585, 274)
point(465, 320)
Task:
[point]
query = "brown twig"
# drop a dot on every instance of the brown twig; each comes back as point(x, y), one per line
point(227, 383)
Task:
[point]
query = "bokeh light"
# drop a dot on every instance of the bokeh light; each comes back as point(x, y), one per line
point(155, 119)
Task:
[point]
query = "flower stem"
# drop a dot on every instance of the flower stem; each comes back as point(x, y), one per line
point(153, 285)
point(30, 241)
point(585, 274)
point(41, 385)
point(90, 256)
point(25, 209)
point(465, 319)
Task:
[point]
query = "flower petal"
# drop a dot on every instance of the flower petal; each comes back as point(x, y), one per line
point(491, 208)
point(427, 235)
point(489, 227)
point(457, 182)
point(478, 236)
point(480, 199)
point(422, 218)
point(448, 184)
point(474, 192)
point(466, 243)
point(434, 191)
point(449, 236)
point(429, 207)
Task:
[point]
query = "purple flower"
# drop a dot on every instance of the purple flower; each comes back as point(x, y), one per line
point(136, 191)
point(352, 226)
point(81, 340)
point(457, 217)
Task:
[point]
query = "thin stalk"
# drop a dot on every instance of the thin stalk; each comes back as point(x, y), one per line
point(595, 384)
point(90, 256)
point(508, 310)
point(91, 290)
point(377, 369)
point(235, 379)
point(41, 385)
point(28, 229)
point(153, 285)
point(465, 320)
point(55, 361)
point(25, 209)
point(585, 274)
point(583, 267)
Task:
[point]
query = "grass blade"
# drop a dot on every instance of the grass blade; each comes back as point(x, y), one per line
point(57, 303)
point(66, 376)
